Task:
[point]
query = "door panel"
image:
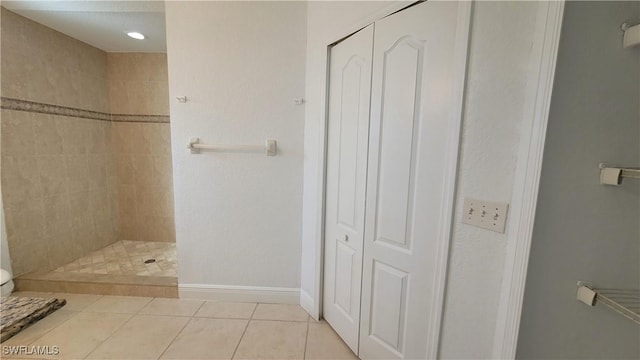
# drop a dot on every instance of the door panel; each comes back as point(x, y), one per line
point(389, 301)
point(401, 68)
point(347, 148)
point(412, 100)
point(343, 297)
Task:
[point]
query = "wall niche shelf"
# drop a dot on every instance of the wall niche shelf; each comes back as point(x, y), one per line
point(625, 302)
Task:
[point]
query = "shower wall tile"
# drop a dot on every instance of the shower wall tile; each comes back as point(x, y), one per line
point(73, 141)
point(159, 97)
point(77, 173)
point(138, 83)
point(84, 237)
point(160, 136)
point(47, 135)
point(17, 133)
point(145, 203)
point(57, 215)
point(99, 204)
point(97, 167)
point(162, 165)
point(164, 202)
point(61, 248)
point(104, 228)
point(54, 168)
point(96, 138)
point(143, 171)
point(25, 221)
point(53, 174)
point(29, 256)
point(59, 69)
point(20, 179)
point(72, 185)
point(141, 134)
point(124, 164)
point(123, 138)
point(127, 200)
point(14, 71)
point(146, 187)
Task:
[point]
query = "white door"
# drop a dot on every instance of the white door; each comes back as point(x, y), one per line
point(411, 108)
point(348, 136)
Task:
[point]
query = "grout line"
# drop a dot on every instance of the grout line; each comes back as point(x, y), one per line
point(145, 305)
point(198, 309)
point(75, 313)
point(63, 295)
point(131, 316)
point(244, 331)
point(288, 321)
point(306, 339)
point(176, 337)
point(224, 318)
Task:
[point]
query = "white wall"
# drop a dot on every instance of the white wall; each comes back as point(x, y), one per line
point(584, 230)
point(241, 64)
point(501, 40)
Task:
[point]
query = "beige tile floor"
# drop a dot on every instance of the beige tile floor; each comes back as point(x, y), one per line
point(121, 327)
point(127, 258)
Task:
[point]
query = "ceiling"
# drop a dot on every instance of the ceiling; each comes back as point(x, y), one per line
point(103, 24)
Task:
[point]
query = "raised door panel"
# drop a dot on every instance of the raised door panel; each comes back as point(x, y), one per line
point(347, 151)
point(388, 306)
point(350, 109)
point(411, 112)
point(401, 69)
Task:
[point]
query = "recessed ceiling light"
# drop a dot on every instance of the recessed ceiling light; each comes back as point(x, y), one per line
point(136, 35)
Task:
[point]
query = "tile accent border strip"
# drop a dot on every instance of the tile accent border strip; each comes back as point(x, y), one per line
point(140, 118)
point(32, 106)
point(50, 109)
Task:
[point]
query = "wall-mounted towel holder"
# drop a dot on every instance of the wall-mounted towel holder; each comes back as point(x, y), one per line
point(625, 302)
point(270, 148)
point(611, 175)
point(631, 36)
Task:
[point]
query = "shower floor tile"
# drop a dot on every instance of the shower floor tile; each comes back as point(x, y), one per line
point(127, 258)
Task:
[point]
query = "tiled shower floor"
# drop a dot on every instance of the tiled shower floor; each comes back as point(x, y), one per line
point(127, 258)
point(118, 269)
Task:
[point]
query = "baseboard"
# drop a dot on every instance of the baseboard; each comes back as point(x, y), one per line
point(306, 301)
point(261, 294)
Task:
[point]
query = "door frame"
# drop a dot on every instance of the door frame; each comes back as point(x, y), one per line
point(527, 177)
point(451, 171)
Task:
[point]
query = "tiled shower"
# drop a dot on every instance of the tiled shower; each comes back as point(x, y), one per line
point(86, 153)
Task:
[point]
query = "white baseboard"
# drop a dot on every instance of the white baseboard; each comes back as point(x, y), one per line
point(261, 294)
point(306, 301)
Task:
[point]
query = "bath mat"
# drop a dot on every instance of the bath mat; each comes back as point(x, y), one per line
point(16, 313)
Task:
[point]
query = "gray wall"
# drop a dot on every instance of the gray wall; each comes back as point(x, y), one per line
point(583, 230)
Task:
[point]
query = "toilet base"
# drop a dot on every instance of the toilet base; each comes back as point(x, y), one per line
point(6, 289)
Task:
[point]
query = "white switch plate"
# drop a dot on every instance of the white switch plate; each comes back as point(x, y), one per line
point(489, 215)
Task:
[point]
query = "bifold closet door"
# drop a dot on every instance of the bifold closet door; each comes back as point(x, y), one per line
point(348, 136)
point(411, 108)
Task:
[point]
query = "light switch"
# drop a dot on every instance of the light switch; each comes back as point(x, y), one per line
point(489, 215)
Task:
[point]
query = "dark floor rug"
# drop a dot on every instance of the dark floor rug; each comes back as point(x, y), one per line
point(17, 313)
